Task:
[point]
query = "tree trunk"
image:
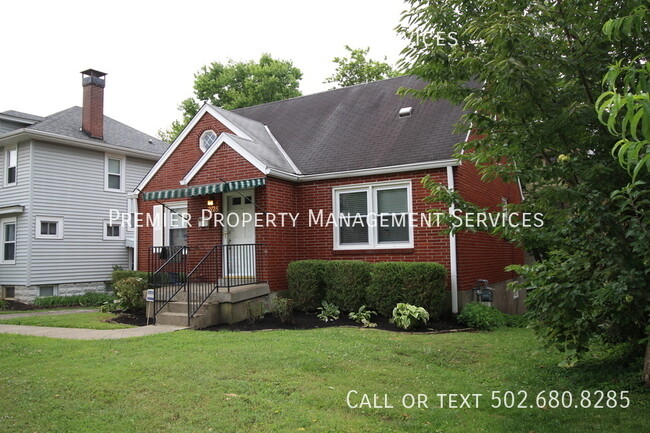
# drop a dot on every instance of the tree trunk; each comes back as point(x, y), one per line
point(646, 365)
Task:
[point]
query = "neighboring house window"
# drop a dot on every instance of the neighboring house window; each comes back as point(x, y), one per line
point(48, 290)
point(8, 237)
point(170, 224)
point(49, 228)
point(373, 216)
point(207, 140)
point(114, 173)
point(8, 292)
point(11, 165)
point(113, 231)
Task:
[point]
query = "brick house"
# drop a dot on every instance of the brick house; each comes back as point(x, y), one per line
point(358, 152)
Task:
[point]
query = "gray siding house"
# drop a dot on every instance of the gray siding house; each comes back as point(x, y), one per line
point(61, 177)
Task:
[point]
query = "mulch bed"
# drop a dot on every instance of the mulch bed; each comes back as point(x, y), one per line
point(130, 319)
point(303, 321)
point(19, 306)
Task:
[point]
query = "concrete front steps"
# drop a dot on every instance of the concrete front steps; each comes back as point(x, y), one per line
point(221, 307)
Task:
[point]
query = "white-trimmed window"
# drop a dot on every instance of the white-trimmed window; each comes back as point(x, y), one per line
point(47, 290)
point(114, 167)
point(11, 166)
point(208, 138)
point(8, 241)
point(48, 228)
point(113, 231)
point(373, 216)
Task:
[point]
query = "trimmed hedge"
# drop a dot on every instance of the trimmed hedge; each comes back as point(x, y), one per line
point(349, 284)
point(307, 283)
point(121, 275)
point(346, 283)
point(417, 283)
point(90, 299)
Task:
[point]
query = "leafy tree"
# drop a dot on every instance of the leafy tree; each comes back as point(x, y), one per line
point(529, 73)
point(238, 84)
point(625, 107)
point(357, 69)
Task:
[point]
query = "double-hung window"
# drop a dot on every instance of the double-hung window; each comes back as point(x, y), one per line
point(11, 158)
point(373, 216)
point(8, 238)
point(114, 173)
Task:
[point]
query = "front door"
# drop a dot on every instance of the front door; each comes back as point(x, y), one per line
point(239, 235)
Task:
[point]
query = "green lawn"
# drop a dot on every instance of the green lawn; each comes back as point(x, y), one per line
point(76, 320)
point(290, 381)
point(42, 310)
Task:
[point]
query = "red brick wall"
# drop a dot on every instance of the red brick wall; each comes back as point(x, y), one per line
point(479, 255)
point(317, 242)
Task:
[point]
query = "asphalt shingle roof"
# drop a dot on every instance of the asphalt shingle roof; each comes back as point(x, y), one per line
point(68, 123)
point(358, 127)
point(21, 115)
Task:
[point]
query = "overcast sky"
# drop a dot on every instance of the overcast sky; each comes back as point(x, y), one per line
point(151, 49)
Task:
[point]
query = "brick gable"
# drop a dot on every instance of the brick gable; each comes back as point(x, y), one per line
point(184, 156)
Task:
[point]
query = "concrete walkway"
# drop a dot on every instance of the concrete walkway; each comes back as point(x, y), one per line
point(78, 333)
point(87, 334)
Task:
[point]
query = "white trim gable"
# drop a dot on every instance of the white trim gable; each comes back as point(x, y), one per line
point(224, 139)
point(206, 108)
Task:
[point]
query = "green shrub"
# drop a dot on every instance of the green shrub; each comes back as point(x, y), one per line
point(363, 316)
point(283, 309)
point(417, 283)
point(482, 317)
point(3, 304)
point(306, 283)
point(328, 312)
point(129, 293)
point(119, 274)
point(346, 283)
point(90, 299)
point(407, 316)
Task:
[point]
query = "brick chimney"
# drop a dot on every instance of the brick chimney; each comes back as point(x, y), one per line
point(92, 118)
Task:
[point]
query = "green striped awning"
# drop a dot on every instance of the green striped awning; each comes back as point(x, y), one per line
point(215, 188)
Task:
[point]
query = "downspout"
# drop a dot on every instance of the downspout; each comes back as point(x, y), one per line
point(134, 200)
point(453, 264)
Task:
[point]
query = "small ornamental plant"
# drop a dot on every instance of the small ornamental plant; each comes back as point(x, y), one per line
point(328, 311)
point(407, 316)
point(363, 316)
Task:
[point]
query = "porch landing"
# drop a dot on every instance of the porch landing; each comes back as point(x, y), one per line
point(222, 307)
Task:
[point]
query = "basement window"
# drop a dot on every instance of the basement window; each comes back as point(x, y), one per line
point(49, 290)
point(9, 292)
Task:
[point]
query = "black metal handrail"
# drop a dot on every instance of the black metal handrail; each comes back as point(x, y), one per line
point(223, 267)
point(170, 274)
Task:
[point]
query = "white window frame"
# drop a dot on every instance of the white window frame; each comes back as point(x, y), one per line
point(201, 145)
point(3, 223)
point(8, 166)
point(105, 236)
point(47, 219)
point(122, 173)
point(371, 194)
point(55, 290)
